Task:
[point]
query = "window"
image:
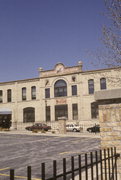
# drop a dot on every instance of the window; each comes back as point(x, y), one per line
point(1, 96)
point(73, 78)
point(74, 90)
point(24, 94)
point(75, 111)
point(29, 114)
point(102, 83)
point(48, 117)
point(94, 110)
point(91, 86)
point(33, 92)
point(9, 95)
point(47, 93)
point(60, 88)
point(61, 111)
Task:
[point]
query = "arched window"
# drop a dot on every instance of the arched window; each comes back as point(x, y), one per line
point(29, 114)
point(60, 88)
point(103, 83)
point(91, 86)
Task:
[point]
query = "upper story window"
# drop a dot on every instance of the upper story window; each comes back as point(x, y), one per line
point(103, 83)
point(74, 90)
point(9, 95)
point(47, 93)
point(60, 88)
point(1, 96)
point(24, 94)
point(91, 86)
point(33, 92)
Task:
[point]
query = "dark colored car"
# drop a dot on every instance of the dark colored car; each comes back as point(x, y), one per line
point(95, 129)
point(38, 126)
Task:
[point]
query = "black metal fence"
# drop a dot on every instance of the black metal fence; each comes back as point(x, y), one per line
point(97, 165)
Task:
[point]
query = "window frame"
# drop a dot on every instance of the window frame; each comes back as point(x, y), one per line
point(29, 116)
point(75, 111)
point(103, 83)
point(24, 94)
point(91, 86)
point(74, 90)
point(9, 95)
point(60, 90)
point(1, 96)
point(33, 92)
point(47, 93)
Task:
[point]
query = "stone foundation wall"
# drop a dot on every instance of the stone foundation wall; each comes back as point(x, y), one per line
point(110, 122)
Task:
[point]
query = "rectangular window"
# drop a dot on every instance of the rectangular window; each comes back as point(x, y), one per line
point(102, 83)
point(1, 96)
point(33, 92)
point(48, 115)
point(74, 90)
point(91, 86)
point(61, 111)
point(75, 111)
point(94, 110)
point(9, 95)
point(24, 94)
point(47, 93)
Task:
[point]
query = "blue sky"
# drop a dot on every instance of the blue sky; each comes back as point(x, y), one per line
point(40, 33)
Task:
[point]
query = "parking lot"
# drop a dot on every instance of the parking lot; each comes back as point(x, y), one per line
point(18, 151)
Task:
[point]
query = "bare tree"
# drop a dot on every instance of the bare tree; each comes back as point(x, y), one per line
point(112, 34)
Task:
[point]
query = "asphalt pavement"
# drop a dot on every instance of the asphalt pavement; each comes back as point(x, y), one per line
point(19, 149)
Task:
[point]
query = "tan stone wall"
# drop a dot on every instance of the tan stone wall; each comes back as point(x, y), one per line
point(110, 122)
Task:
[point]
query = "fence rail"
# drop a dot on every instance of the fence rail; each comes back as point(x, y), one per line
point(97, 165)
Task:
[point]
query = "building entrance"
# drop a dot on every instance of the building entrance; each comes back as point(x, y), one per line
point(5, 118)
point(60, 111)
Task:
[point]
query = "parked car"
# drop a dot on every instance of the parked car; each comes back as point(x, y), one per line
point(95, 129)
point(38, 126)
point(73, 127)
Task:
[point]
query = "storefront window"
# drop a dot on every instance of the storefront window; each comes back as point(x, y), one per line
point(61, 111)
point(29, 114)
point(75, 111)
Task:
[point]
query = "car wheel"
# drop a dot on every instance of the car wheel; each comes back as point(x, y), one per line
point(90, 130)
point(74, 130)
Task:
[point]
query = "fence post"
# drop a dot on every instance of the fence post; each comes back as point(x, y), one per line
point(11, 174)
point(29, 172)
point(43, 171)
point(110, 122)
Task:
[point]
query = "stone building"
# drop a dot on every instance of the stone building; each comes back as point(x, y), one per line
point(62, 91)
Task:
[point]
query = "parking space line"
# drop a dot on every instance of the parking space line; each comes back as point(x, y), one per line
point(68, 152)
point(4, 168)
point(21, 177)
